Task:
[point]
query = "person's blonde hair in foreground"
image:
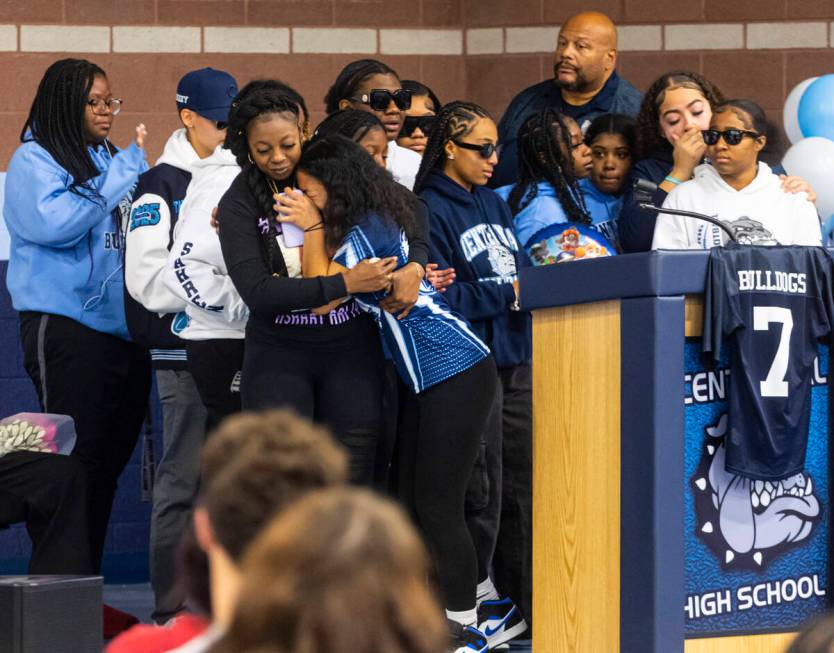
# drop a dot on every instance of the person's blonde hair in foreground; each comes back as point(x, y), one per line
point(340, 571)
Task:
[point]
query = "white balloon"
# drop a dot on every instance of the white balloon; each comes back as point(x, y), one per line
point(790, 114)
point(813, 160)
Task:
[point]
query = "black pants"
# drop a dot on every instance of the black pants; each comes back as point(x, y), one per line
point(103, 383)
point(483, 494)
point(438, 444)
point(513, 561)
point(337, 382)
point(49, 493)
point(216, 367)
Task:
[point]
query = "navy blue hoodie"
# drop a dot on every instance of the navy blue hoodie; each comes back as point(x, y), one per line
point(473, 233)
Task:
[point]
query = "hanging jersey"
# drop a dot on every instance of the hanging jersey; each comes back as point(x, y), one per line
point(432, 343)
point(774, 303)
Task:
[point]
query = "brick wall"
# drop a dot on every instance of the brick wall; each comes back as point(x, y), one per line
point(485, 50)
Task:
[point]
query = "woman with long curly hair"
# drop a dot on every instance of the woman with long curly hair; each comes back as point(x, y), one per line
point(340, 570)
point(328, 367)
point(675, 110)
point(448, 369)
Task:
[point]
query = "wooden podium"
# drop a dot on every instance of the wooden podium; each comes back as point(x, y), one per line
point(609, 480)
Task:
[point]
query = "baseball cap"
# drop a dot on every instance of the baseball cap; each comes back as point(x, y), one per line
point(208, 92)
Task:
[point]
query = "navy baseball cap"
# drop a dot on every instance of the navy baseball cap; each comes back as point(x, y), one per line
point(208, 92)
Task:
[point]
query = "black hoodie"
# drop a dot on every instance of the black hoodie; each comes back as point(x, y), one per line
point(473, 233)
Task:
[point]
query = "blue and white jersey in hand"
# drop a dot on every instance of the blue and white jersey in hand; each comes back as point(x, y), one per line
point(432, 343)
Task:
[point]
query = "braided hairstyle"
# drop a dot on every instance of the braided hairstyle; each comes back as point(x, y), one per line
point(260, 98)
point(352, 123)
point(454, 121)
point(649, 136)
point(351, 78)
point(56, 121)
point(545, 154)
point(356, 187)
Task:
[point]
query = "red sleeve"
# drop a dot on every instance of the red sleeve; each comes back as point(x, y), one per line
point(158, 639)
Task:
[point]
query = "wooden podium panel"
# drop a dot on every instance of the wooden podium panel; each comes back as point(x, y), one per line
point(576, 478)
point(748, 644)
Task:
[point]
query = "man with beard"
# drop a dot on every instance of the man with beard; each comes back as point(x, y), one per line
point(586, 86)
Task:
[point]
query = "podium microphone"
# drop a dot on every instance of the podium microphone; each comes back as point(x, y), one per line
point(644, 192)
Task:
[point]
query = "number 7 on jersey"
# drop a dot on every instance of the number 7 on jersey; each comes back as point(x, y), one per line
point(775, 384)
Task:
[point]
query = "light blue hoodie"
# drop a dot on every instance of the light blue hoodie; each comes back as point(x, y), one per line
point(546, 210)
point(66, 251)
point(604, 209)
point(543, 211)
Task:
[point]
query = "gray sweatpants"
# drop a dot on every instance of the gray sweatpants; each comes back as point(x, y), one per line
point(176, 484)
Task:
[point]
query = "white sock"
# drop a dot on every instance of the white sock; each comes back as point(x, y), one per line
point(464, 617)
point(487, 591)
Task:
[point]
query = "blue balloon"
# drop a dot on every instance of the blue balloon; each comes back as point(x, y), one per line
point(828, 231)
point(816, 108)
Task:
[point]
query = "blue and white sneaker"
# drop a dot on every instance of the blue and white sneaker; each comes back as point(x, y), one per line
point(500, 621)
point(467, 639)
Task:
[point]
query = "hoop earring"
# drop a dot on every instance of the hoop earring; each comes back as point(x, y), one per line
point(249, 156)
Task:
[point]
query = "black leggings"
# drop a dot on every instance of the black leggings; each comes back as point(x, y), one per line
point(336, 382)
point(103, 383)
point(438, 442)
point(216, 368)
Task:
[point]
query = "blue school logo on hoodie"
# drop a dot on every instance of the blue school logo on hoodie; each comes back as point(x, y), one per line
point(145, 215)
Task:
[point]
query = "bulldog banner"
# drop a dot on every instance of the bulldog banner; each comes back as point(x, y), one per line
point(756, 551)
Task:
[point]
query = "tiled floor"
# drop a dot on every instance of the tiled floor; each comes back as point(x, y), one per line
point(138, 600)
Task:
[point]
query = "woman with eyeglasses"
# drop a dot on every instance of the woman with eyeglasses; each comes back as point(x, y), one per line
point(472, 232)
point(370, 85)
point(419, 118)
point(677, 106)
point(68, 195)
point(738, 189)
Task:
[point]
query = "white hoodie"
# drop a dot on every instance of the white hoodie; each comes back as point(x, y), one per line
point(403, 164)
point(772, 215)
point(146, 249)
point(195, 270)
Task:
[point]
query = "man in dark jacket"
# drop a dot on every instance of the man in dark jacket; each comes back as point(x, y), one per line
point(584, 86)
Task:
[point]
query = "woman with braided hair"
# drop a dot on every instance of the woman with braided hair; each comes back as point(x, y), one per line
point(550, 166)
point(196, 273)
point(472, 232)
point(293, 357)
point(68, 196)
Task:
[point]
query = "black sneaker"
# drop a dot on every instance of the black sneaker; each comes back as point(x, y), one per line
point(467, 639)
point(500, 621)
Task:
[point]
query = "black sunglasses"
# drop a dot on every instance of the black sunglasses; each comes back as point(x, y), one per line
point(424, 123)
point(730, 136)
point(486, 150)
point(221, 124)
point(379, 99)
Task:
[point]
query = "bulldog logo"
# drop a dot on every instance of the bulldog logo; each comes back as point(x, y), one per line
point(751, 232)
point(745, 522)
